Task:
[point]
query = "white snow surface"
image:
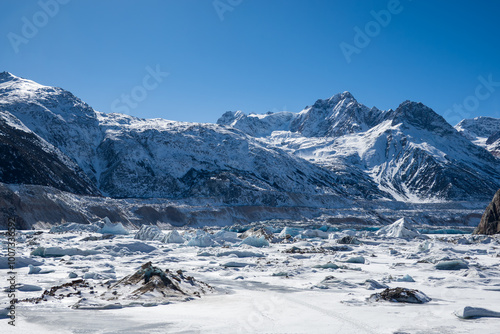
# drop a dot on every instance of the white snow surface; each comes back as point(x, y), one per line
point(314, 291)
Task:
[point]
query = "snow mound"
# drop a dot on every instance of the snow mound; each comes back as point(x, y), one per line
point(402, 228)
point(74, 227)
point(469, 312)
point(112, 228)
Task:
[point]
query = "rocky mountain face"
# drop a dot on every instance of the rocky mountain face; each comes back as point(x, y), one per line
point(25, 158)
point(409, 154)
point(490, 221)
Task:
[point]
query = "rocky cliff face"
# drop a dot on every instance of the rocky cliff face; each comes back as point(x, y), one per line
point(490, 221)
point(25, 158)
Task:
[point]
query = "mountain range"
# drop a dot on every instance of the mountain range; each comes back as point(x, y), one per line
point(334, 151)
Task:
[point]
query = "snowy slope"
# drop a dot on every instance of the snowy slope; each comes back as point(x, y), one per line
point(411, 153)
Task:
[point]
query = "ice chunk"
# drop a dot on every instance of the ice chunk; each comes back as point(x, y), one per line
point(223, 236)
point(59, 252)
point(452, 265)
point(74, 227)
point(150, 232)
point(255, 241)
point(372, 284)
point(134, 247)
point(233, 264)
point(201, 240)
point(291, 231)
point(173, 237)
point(356, 259)
point(240, 253)
point(29, 288)
point(112, 228)
point(405, 278)
point(314, 234)
point(328, 265)
point(34, 269)
point(402, 228)
point(469, 312)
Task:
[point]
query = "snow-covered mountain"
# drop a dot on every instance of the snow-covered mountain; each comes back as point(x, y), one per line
point(336, 148)
point(129, 157)
point(482, 131)
point(411, 153)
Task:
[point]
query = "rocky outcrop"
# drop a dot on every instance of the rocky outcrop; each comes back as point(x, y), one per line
point(490, 222)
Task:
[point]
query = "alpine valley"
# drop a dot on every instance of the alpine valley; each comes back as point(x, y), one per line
point(337, 160)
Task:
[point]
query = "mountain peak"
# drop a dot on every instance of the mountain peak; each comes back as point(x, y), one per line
point(6, 76)
point(340, 97)
point(420, 116)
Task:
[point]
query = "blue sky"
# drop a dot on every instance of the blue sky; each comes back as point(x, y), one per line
point(258, 55)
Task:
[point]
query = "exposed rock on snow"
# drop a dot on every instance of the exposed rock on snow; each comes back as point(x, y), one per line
point(148, 286)
point(401, 295)
point(402, 228)
point(267, 233)
point(151, 285)
point(348, 240)
point(469, 312)
point(490, 221)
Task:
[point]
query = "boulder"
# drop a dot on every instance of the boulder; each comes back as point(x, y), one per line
point(490, 221)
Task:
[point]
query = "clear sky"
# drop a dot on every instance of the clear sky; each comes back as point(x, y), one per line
point(257, 55)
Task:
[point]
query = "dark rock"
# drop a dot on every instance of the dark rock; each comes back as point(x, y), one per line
point(490, 221)
point(401, 295)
